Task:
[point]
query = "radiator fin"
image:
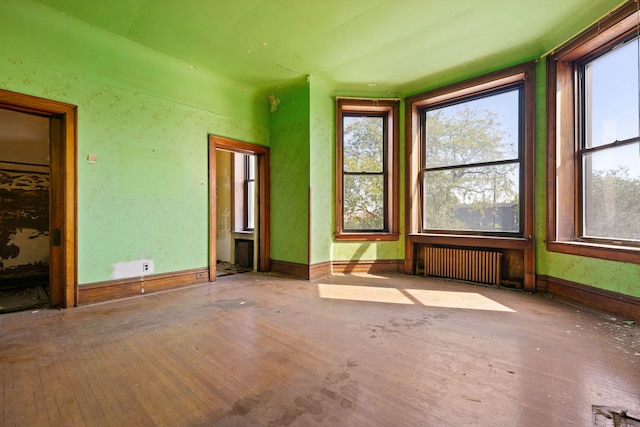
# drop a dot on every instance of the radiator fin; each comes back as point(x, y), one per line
point(463, 264)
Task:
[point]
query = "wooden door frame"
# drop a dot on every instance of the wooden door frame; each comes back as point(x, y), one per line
point(264, 197)
point(63, 283)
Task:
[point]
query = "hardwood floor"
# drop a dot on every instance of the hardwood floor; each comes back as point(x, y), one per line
point(348, 350)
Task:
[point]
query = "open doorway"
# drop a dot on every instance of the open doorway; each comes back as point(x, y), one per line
point(24, 211)
point(37, 202)
point(239, 207)
point(236, 213)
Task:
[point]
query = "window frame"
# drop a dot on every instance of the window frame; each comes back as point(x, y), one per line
point(525, 244)
point(518, 86)
point(389, 110)
point(564, 130)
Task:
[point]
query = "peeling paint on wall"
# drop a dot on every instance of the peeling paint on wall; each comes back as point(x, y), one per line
point(24, 224)
point(131, 101)
point(33, 249)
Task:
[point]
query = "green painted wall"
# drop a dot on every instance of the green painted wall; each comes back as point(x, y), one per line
point(290, 164)
point(322, 169)
point(146, 116)
point(302, 141)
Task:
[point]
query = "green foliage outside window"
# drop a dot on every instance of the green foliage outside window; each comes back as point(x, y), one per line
point(475, 184)
point(363, 168)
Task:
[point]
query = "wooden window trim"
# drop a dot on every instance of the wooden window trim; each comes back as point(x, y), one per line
point(562, 136)
point(389, 107)
point(488, 90)
point(483, 84)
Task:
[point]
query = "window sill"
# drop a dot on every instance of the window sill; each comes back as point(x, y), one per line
point(595, 250)
point(372, 237)
point(503, 242)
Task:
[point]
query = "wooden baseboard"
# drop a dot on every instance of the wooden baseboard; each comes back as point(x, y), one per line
point(302, 271)
point(290, 268)
point(372, 266)
point(322, 269)
point(621, 305)
point(319, 270)
point(114, 289)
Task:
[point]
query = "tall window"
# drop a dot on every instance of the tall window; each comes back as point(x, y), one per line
point(472, 162)
point(609, 152)
point(366, 178)
point(594, 142)
point(249, 192)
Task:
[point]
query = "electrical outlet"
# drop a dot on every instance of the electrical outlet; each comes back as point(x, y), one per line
point(146, 267)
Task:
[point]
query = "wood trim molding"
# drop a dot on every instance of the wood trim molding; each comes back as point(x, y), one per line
point(372, 266)
point(390, 108)
point(323, 269)
point(470, 241)
point(294, 269)
point(264, 191)
point(319, 270)
point(519, 74)
point(63, 205)
point(303, 271)
point(615, 303)
point(564, 234)
point(122, 288)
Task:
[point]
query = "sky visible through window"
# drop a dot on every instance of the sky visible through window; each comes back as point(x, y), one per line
point(472, 161)
point(612, 114)
point(504, 107)
point(611, 174)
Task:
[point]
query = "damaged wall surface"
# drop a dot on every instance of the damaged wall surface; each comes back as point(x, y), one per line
point(24, 226)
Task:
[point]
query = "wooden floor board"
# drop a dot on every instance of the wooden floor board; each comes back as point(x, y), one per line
point(356, 350)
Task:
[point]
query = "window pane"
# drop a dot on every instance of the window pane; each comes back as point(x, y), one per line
point(251, 167)
point(473, 199)
point(476, 131)
point(251, 197)
point(363, 146)
point(612, 193)
point(363, 202)
point(611, 92)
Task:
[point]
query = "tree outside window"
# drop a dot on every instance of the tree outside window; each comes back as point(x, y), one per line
point(610, 145)
point(366, 169)
point(472, 163)
point(593, 181)
point(363, 169)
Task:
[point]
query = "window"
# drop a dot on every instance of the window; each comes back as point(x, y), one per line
point(472, 163)
point(470, 170)
point(249, 192)
point(366, 171)
point(594, 141)
point(470, 156)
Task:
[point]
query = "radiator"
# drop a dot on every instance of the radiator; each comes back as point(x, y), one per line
point(463, 264)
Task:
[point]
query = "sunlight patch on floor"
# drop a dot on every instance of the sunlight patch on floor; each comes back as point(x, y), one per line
point(429, 298)
point(363, 293)
point(358, 274)
point(449, 299)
